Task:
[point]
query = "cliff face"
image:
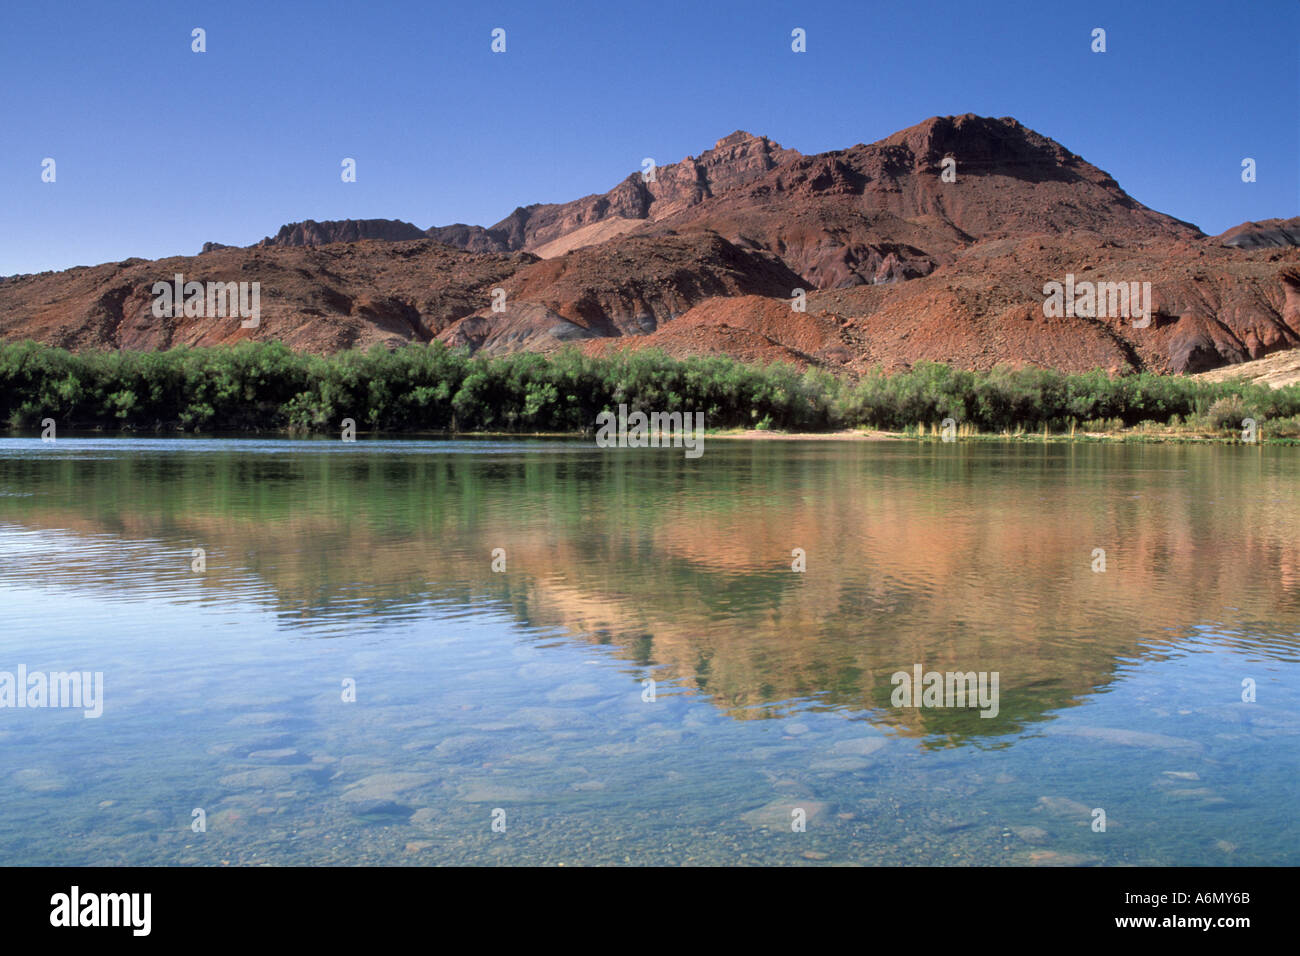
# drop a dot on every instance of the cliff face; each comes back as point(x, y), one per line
point(934, 243)
point(313, 233)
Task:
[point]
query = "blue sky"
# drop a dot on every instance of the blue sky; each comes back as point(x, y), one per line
point(159, 149)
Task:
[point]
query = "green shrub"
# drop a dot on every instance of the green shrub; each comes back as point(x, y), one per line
point(1227, 412)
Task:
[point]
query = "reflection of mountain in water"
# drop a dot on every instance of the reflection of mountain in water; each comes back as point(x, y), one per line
point(964, 558)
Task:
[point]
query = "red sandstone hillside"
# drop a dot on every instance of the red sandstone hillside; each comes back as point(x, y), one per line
point(899, 266)
point(1211, 307)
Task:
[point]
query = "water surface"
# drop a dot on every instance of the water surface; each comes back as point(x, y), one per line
point(525, 690)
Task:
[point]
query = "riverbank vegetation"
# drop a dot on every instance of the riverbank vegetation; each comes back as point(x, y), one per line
point(429, 388)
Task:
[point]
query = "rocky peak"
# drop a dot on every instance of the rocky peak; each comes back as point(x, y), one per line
point(982, 141)
point(739, 136)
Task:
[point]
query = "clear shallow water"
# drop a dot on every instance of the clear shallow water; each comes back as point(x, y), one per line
point(523, 690)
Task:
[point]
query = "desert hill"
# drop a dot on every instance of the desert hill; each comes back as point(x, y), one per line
point(898, 262)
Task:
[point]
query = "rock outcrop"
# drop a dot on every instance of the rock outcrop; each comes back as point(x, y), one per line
point(1271, 233)
point(312, 233)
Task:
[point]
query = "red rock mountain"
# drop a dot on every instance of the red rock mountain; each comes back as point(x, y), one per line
point(899, 263)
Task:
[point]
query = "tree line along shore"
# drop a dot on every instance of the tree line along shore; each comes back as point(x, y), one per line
point(260, 387)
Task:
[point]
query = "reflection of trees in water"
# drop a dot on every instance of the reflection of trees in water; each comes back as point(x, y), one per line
point(968, 558)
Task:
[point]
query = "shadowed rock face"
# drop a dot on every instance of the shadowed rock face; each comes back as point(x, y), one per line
point(625, 287)
point(898, 265)
point(469, 238)
point(1271, 233)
